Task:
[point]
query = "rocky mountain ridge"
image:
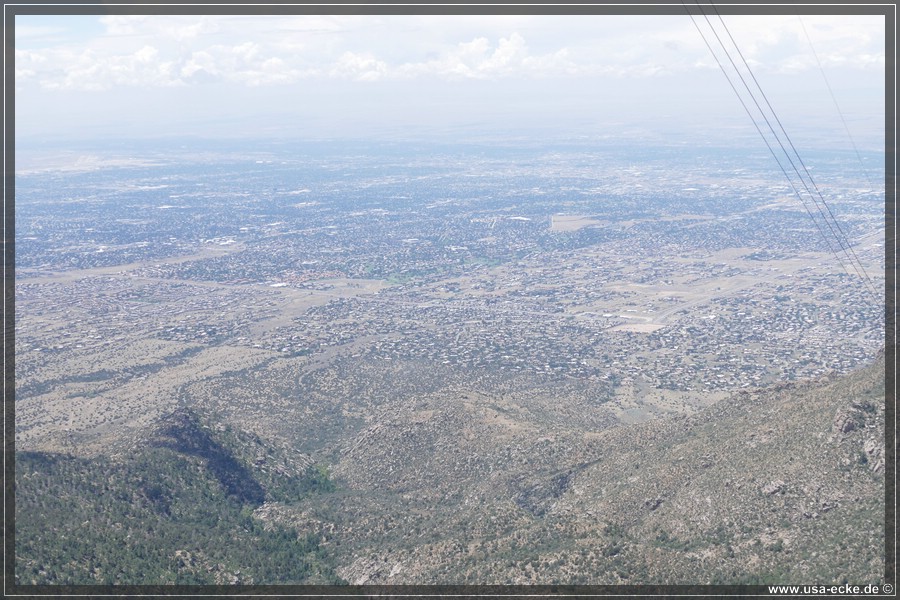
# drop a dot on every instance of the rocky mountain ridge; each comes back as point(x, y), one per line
point(778, 485)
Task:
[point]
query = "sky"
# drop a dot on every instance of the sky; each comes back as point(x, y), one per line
point(309, 76)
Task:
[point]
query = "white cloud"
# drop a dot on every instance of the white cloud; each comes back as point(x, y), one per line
point(28, 56)
point(480, 59)
point(146, 55)
point(556, 63)
point(199, 61)
point(37, 31)
point(124, 24)
point(246, 52)
point(508, 55)
point(780, 43)
point(361, 67)
point(178, 50)
point(190, 31)
point(88, 71)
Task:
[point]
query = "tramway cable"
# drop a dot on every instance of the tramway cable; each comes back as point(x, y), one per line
point(768, 145)
point(837, 107)
point(833, 225)
point(841, 237)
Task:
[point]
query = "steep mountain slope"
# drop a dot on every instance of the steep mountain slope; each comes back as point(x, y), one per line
point(780, 484)
point(176, 508)
point(456, 485)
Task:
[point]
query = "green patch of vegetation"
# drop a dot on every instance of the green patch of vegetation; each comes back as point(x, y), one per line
point(316, 480)
point(487, 261)
point(178, 512)
point(664, 540)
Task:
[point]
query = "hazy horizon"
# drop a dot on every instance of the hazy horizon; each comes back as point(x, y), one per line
point(381, 76)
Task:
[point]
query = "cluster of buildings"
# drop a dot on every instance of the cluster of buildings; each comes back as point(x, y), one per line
point(664, 280)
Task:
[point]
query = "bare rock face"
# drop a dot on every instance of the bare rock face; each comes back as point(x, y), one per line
point(846, 420)
point(773, 488)
point(874, 449)
point(862, 423)
point(364, 570)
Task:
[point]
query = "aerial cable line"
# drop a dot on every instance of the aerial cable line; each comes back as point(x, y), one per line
point(836, 106)
point(772, 131)
point(847, 250)
point(778, 139)
point(780, 144)
point(768, 145)
point(840, 236)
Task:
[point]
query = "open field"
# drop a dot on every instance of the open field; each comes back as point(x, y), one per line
point(573, 222)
